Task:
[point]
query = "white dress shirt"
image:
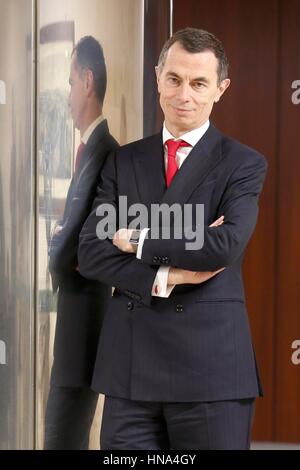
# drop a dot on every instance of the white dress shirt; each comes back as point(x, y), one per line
point(88, 132)
point(160, 286)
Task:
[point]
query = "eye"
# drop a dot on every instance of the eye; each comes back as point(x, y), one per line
point(199, 85)
point(173, 80)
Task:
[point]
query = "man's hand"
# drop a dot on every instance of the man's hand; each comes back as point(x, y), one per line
point(218, 222)
point(121, 240)
point(182, 276)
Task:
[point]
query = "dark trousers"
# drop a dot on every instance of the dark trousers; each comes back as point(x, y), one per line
point(69, 416)
point(137, 425)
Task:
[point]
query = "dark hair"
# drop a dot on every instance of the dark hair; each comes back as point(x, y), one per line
point(197, 40)
point(89, 55)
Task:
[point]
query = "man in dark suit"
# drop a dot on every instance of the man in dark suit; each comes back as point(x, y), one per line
point(175, 359)
point(81, 302)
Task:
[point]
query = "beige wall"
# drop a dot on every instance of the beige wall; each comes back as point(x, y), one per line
point(118, 25)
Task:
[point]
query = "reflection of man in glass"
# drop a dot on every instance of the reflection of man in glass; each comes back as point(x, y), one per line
point(81, 302)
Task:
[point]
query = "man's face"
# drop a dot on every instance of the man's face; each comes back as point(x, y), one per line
point(77, 96)
point(188, 88)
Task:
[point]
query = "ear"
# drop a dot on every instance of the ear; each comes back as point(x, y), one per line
point(221, 89)
point(89, 81)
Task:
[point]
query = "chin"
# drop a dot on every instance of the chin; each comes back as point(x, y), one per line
point(184, 124)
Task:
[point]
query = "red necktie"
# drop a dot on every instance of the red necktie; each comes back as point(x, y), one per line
point(79, 156)
point(172, 168)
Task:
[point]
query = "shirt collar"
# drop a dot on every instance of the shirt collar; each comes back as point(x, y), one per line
point(87, 134)
point(191, 137)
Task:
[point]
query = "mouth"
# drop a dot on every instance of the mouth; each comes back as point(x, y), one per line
point(181, 110)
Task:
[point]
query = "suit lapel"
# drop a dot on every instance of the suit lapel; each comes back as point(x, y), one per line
point(93, 149)
point(69, 198)
point(98, 133)
point(148, 162)
point(202, 159)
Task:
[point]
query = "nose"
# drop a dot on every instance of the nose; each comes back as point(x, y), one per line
point(184, 92)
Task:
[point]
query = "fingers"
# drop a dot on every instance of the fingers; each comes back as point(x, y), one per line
point(183, 276)
point(121, 234)
point(218, 222)
point(203, 276)
point(210, 274)
point(213, 273)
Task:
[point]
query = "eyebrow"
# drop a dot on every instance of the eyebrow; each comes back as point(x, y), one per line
point(198, 79)
point(172, 74)
point(201, 79)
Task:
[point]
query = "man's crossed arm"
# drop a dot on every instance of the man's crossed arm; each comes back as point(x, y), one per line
point(176, 276)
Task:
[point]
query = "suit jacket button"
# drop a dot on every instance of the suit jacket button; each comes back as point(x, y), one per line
point(130, 306)
point(179, 308)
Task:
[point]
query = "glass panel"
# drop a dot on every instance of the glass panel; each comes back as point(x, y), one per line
point(118, 25)
point(16, 225)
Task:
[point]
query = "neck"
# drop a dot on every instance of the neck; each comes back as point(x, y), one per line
point(179, 131)
point(92, 113)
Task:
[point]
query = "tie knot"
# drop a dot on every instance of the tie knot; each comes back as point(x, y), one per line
point(173, 146)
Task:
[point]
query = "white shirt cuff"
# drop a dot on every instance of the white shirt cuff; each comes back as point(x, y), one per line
point(160, 286)
point(143, 234)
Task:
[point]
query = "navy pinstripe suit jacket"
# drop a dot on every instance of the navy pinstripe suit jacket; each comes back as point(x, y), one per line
point(195, 345)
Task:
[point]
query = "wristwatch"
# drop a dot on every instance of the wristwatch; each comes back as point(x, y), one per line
point(135, 237)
